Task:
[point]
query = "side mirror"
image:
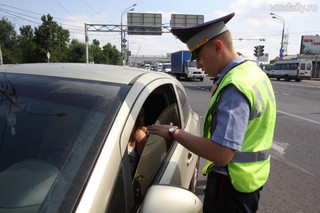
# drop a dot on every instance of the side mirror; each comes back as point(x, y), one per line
point(170, 199)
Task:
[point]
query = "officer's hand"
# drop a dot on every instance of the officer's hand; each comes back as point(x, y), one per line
point(161, 130)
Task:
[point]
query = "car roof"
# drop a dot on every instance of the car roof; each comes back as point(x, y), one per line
point(97, 72)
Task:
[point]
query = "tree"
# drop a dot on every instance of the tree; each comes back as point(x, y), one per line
point(76, 52)
point(27, 45)
point(50, 37)
point(96, 52)
point(111, 54)
point(8, 42)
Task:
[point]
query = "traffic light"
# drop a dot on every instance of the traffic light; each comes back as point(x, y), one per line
point(261, 50)
point(256, 51)
point(124, 43)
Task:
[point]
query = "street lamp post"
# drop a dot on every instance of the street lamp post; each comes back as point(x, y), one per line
point(123, 33)
point(282, 37)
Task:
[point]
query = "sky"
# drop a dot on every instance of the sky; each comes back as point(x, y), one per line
point(252, 24)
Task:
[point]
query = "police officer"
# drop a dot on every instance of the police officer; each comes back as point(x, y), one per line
point(238, 126)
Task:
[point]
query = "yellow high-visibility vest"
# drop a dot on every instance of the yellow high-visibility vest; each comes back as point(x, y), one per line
point(249, 169)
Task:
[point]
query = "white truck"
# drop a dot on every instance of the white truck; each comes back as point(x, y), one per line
point(182, 67)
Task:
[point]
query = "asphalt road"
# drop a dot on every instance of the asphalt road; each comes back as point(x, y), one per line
point(294, 182)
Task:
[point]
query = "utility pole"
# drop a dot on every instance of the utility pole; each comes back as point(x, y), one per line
point(282, 36)
point(87, 42)
point(1, 59)
point(316, 73)
point(123, 33)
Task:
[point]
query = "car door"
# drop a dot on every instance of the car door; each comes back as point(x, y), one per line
point(162, 161)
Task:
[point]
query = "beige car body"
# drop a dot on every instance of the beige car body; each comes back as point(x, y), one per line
point(169, 190)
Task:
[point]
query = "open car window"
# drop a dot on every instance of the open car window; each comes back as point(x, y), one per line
point(154, 154)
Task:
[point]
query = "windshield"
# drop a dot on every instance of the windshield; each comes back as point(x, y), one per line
point(61, 122)
point(192, 63)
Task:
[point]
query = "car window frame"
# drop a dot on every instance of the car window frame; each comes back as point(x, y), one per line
point(138, 103)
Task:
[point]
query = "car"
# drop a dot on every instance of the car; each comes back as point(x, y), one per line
point(153, 67)
point(147, 66)
point(64, 138)
point(215, 78)
point(159, 69)
point(166, 67)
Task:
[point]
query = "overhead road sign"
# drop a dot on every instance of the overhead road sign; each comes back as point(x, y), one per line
point(144, 23)
point(185, 20)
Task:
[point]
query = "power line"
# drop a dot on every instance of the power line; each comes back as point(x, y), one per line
point(28, 11)
point(19, 13)
point(17, 16)
point(66, 10)
point(94, 9)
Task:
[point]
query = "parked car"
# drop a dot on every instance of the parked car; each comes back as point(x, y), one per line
point(64, 137)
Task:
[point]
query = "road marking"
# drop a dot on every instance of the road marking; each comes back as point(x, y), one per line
point(284, 93)
point(292, 164)
point(276, 146)
point(296, 116)
point(296, 84)
point(280, 148)
point(195, 86)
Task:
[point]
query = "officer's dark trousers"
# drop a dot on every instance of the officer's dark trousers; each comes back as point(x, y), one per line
point(220, 196)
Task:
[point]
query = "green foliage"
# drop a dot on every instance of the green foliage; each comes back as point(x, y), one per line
point(112, 55)
point(50, 37)
point(76, 52)
point(32, 45)
point(107, 55)
point(8, 41)
point(26, 45)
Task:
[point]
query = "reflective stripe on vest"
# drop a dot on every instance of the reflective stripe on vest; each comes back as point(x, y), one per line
point(250, 157)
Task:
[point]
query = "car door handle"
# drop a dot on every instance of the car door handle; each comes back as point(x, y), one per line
point(190, 158)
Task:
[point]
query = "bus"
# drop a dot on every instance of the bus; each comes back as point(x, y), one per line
point(288, 70)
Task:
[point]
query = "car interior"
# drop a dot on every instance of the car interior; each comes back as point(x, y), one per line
point(159, 109)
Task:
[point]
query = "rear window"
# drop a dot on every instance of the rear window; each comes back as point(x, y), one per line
point(58, 121)
point(302, 66)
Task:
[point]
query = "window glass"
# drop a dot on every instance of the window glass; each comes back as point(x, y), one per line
point(277, 67)
point(308, 66)
point(287, 67)
point(294, 66)
point(302, 66)
point(59, 121)
point(122, 195)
